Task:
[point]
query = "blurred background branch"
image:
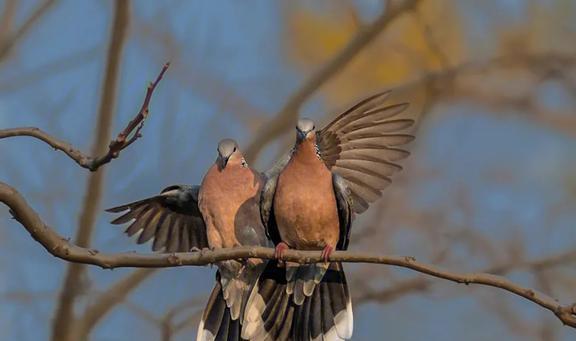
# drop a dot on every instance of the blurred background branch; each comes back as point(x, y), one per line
point(10, 35)
point(288, 115)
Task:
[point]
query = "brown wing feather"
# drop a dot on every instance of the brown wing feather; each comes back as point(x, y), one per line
point(172, 219)
point(362, 146)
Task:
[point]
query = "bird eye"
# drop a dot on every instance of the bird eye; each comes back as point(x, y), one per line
point(234, 149)
point(313, 127)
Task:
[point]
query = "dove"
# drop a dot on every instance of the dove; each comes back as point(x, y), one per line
point(222, 212)
point(308, 203)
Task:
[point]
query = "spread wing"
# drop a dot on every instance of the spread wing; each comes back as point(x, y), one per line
point(363, 144)
point(171, 218)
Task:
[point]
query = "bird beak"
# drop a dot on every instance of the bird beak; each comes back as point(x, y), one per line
point(223, 161)
point(300, 135)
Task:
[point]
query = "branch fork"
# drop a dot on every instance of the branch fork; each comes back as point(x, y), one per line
point(125, 138)
point(122, 141)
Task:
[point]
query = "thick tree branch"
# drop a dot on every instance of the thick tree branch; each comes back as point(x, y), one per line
point(282, 122)
point(62, 248)
point(125, 138)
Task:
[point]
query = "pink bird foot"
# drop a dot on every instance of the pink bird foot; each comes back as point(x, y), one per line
point(280, 250)
point(327, 252)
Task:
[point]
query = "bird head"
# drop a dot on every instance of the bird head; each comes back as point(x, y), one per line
point(227, 149)
point(305, 130)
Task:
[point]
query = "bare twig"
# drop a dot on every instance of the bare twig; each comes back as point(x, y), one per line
point(125, 138)
point(122, 141)
point(63, 249)
point(282, 122)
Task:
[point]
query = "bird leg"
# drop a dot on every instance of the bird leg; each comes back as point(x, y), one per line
point(280, 250)
point(327, 252)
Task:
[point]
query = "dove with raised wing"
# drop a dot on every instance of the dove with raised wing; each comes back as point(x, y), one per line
point(308, 203)
point(222, 212)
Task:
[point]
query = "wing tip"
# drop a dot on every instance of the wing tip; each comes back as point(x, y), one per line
point(171, 188)
point(121, 220)
point(117, 209)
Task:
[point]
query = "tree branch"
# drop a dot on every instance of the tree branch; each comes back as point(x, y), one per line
point(126, 137)
point(62, 248)
point(282, 122)
point(406, 286)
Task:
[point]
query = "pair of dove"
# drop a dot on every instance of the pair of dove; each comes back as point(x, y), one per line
point(306, 202)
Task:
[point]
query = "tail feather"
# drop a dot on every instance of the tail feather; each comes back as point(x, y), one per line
point(272, 308)
point(326, 313)
point(264, 304)
point(286, 327)
point(301, 326)
point(233, 293)
point(234, 285)
point(223, 330)
point(217, 323)
point(303, 279)
point(298, 292)
point(273, 313)
point(211, 321)
point(234, 330)
point(315, 320)
point(340, 301)
point(237, 280)
point(276, 320)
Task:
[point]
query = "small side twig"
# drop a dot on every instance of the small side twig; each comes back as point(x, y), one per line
point(126, 137)
point(122, 141)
